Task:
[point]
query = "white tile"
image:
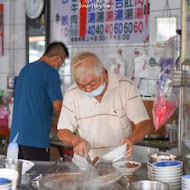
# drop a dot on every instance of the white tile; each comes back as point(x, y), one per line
point(20, 14)
point(74, 51)
point(9, 34)
point(6, 7)
point(81, 49)
point(14, 12)
point(97, 51)
point(6, 36)
point(4, 63)
point(108, 54)
point(160, 4)
point(175, 4)
point(19, 36)
point(19, 61)
point(14, 36)
point(3, 81)
point(5, 55)
point(128, 57)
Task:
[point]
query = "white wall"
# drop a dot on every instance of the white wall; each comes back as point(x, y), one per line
point(14, 37)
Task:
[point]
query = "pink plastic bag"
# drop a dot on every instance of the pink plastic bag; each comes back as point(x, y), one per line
point(162, 110)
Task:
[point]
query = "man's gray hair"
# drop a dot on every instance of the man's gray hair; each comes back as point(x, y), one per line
point(80, 69)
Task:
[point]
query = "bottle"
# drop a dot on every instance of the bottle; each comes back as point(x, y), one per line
point(12, 151)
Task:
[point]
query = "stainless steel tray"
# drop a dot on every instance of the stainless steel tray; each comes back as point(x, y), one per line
point(55, 181)
point(61, 181)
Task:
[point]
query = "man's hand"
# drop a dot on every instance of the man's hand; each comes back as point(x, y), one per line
point(130, 147)
point(138, 134)
point(80, 146)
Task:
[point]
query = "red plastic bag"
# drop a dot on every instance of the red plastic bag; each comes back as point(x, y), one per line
point(162, 110)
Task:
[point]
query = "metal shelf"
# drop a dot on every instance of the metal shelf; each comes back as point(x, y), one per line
point(181, 78)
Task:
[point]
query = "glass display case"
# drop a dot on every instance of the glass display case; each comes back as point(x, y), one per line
point(185, 116)
point(184, 97)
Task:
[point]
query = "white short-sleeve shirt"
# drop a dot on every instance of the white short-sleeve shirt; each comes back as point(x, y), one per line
point(103, 124)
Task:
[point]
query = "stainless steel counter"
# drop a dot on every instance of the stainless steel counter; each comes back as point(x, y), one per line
point(42, 168)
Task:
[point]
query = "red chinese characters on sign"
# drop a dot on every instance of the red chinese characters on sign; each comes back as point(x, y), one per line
point(1, 30)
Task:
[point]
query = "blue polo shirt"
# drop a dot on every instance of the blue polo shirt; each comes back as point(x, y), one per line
point(37, 86)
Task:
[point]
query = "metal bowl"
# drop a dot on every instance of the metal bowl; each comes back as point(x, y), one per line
point(148, 185)
point(160, 156)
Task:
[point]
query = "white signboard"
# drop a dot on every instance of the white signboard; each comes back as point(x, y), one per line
point(101, 22)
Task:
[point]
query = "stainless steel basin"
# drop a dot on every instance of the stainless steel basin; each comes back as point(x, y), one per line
point(148, 185)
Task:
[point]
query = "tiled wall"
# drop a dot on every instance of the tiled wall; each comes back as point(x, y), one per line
point(14, 37)
point(14, 40)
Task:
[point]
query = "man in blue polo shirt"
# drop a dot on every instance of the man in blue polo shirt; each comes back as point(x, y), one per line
point(37, 97)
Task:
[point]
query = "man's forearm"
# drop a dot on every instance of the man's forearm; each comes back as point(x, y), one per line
point(55, 119)
point(140, 131)
point(66, 136)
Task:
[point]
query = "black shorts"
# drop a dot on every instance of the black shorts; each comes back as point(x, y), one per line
point(34, 153)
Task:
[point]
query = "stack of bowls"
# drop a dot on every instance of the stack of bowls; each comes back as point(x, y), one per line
point(5, 184)
point(185, 182)
point(168, 171)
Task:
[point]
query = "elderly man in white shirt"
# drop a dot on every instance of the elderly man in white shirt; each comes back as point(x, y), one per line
point(101, 106)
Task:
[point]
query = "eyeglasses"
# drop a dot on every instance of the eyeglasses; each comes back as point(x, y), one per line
point(63, 61)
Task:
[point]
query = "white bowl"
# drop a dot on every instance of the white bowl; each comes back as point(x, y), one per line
point(168, 174)
point(169, 164)
point(184, 186)
point(186, 178)
point(82, 165)
point(26, 165)
point(115, 154)
point(124, 170)
point(168, 179)
point(10, 174)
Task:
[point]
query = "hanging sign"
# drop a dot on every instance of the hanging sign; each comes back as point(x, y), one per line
point(85, 22)
point(1, 30)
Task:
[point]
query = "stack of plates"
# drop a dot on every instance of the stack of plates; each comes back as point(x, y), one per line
point(5, 184)
point(185, 182)
point(169, 172)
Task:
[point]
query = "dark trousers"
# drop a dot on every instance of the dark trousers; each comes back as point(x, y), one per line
point(34, 153)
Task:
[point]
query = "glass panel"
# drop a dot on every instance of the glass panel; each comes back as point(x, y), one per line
point(66, 82)
point(166, 28)
point(65, 76)
point(186, 126)
point(65, 69)
point(36, 47)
